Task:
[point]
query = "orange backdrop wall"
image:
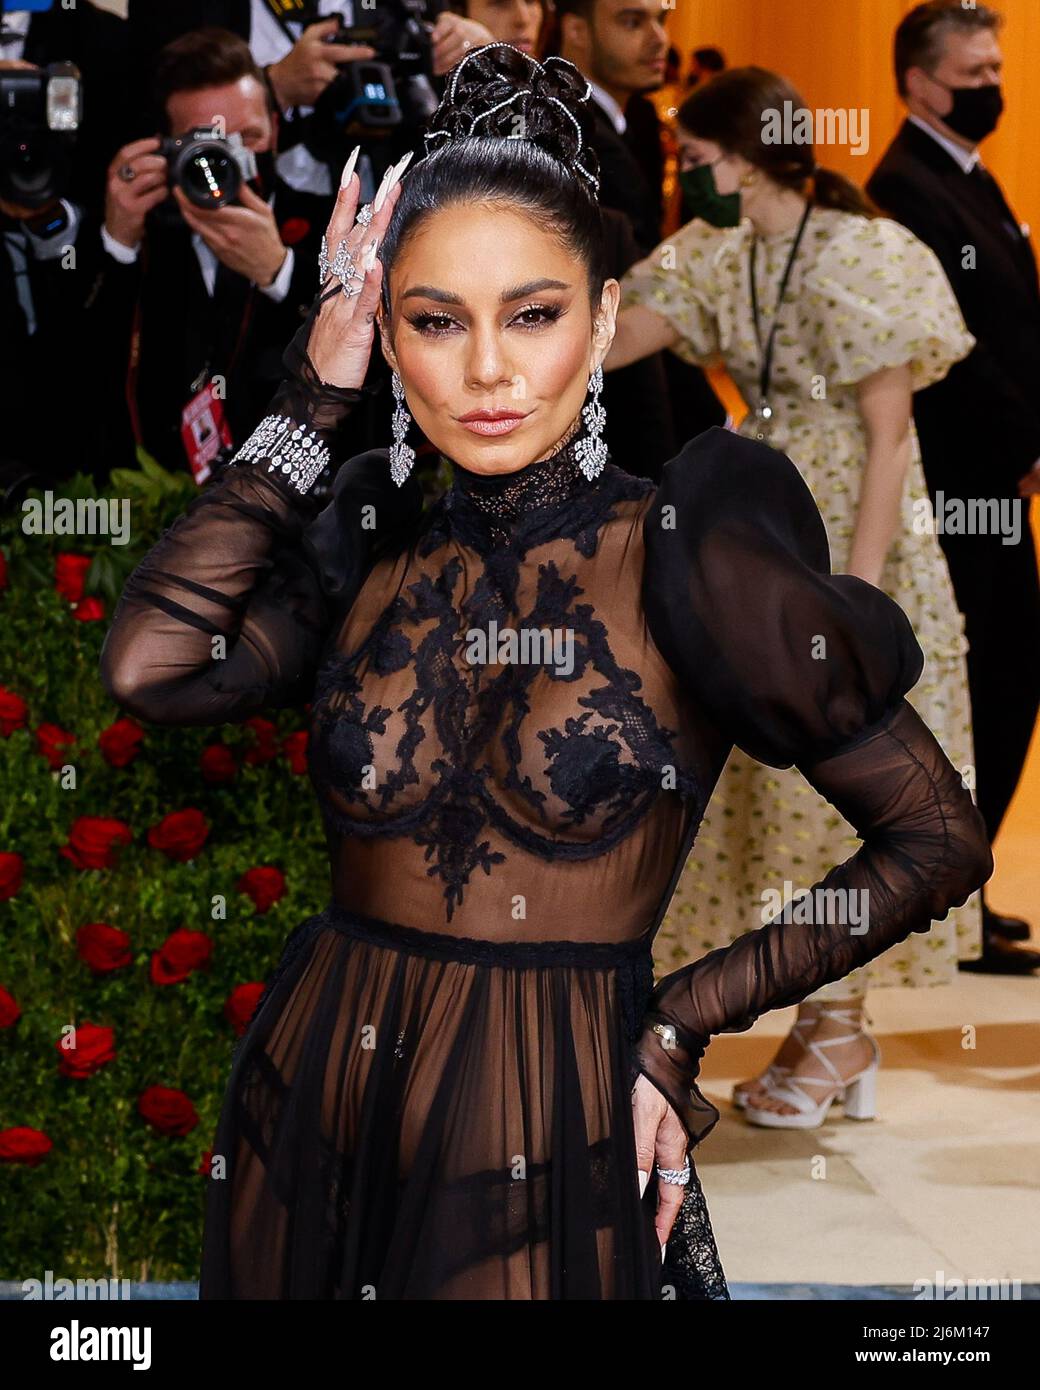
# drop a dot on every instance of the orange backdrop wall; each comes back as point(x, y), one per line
point(838, 53)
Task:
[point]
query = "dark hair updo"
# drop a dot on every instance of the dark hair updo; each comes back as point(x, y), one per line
point(508, 130)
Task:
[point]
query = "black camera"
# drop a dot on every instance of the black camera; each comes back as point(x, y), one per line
point(376, 95)
point(209, 168)
point(41, 110)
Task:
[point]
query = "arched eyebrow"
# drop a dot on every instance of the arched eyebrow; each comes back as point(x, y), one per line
point(506, 297)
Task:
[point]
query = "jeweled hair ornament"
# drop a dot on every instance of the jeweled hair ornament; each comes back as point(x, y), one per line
point(539, 71)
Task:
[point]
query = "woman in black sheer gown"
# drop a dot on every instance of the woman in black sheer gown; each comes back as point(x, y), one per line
point(461, 1081)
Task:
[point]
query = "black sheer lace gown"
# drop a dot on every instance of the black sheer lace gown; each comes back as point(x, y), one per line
point(433, 1098)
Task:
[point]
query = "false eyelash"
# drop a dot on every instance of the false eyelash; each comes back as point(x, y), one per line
point(437, 324)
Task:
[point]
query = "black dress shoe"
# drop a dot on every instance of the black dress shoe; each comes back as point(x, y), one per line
point(999, 957)
point(1010, 928)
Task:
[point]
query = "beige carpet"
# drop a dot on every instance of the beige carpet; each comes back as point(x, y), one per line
point(946, 1181)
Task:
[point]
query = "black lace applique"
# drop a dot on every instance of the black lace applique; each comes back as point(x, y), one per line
point(606, 760)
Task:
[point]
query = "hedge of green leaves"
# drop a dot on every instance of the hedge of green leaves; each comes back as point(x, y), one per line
point(103, 1134)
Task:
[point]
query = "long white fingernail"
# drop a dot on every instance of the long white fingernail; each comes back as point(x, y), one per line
point(370, 255)
point(384, 189)
point(403, 163)
point(348, 168)
point(644, 1178)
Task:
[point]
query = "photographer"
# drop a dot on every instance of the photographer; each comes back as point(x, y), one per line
point(296, 48)
point(50, 182)
point(200, 303)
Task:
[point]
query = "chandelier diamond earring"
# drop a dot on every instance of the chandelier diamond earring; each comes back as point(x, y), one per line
point(591, 450)
point(401, 456)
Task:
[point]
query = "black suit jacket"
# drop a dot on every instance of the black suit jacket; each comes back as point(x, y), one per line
point(643, 137)
point(980, 426)
point(622, 184)
point(640, 430)
point(238, 333)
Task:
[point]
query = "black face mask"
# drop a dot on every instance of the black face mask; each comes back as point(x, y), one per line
point(976, 110)
point(701, 197)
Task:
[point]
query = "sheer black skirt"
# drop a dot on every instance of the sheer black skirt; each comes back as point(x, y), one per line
point(416, 1116)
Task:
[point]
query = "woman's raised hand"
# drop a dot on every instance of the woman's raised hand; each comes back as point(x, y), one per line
point(341, 337)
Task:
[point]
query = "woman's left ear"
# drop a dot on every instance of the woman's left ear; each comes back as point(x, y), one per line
point(605, 324)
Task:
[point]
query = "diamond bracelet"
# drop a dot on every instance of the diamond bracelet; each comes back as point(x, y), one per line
point(292, 449)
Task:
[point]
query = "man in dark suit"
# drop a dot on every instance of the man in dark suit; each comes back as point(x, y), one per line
point(198, 305)
point(979, 427)
point(49, 254)
point(619, 58)
point(621, 47)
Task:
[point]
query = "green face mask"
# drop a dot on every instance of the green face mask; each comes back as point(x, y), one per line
point(701, 198)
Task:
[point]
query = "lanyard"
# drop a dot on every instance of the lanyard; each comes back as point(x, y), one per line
point(766, 353)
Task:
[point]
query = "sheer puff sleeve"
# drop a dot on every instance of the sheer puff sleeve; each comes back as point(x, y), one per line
point(229, 611)
point(798, 667)
point(880, 298)
point(680, 280)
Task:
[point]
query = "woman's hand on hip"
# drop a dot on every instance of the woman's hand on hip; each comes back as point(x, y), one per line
point(660, 1139)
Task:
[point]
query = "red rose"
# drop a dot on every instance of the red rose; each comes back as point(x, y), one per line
point(3, 570)
point(206, 1165)
point(241, 1005)
point(9, 1010)
point(12, 867)
point(70, 573)
point(93, 839)
point(89, 610)
point(120, 743)
point(91, 1049)
point(293, 230)
point(13, 711)
point(218, 763)
point(294, 746)
point(170, 1112)
point(180, 835)
point(182, 952)
point(24, 1145)
point(103, 948)
point(50, 740)
point(266, 746)
point(264, 884)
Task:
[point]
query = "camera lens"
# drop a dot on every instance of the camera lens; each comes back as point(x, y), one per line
point(209, 175)
point(28, 171)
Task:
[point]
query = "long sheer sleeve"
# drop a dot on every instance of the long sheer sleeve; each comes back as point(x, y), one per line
point(799, 667)
point(229, 611)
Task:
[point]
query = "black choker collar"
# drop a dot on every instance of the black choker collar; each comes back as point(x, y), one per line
point(502, 498)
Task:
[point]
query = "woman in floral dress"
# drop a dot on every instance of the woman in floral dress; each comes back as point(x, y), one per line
point(842, 317)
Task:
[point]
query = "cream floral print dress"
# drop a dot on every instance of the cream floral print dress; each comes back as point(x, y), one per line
point(864, 294)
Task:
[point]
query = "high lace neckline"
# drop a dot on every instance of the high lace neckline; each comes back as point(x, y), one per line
point(503, 498)
point(506, 515)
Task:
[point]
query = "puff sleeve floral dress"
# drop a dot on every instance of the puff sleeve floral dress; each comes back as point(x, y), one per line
point(433, 1097)
point(864, 294)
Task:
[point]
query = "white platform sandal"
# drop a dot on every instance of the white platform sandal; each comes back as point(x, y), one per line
point(775, 1075)
point(859, 1091)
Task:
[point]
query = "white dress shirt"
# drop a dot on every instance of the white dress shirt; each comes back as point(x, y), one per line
point(967, 159)
point(276, 290)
